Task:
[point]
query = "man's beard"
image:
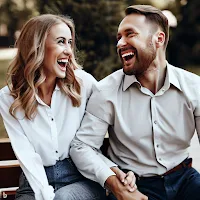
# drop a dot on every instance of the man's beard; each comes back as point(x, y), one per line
point(142, 62)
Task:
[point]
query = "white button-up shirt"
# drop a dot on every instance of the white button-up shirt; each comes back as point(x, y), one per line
point(45, 139)
point(149, 133)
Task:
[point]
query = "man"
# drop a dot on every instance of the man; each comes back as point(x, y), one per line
point(151, 110)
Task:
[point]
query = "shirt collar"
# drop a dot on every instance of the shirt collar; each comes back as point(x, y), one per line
point(57, 87)
point(128, 81)
point(170, 78)
point(38, 98)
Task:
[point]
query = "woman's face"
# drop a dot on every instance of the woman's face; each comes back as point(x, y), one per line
point(58, 51)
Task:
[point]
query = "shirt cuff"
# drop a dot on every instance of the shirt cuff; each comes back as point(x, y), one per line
point(102, 177)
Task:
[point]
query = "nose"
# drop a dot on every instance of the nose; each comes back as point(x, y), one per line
point(121, 42)
point(68, 51)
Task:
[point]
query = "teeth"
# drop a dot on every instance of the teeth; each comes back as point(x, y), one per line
point(63, 60)
point(128, 54)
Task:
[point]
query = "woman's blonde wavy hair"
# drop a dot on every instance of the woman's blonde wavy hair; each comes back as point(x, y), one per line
point(25, 73)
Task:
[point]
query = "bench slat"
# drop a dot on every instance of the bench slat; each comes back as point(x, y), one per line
point(9, 163)
point(8, 193)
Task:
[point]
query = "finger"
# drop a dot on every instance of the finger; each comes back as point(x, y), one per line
point(132, 189)
point(132, 184)
point(130, 179)
point(121, 175)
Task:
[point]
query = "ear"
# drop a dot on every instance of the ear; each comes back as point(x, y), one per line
point(160, 39)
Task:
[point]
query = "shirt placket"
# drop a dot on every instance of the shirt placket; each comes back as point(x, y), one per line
point(156, 131)
point(54, 133)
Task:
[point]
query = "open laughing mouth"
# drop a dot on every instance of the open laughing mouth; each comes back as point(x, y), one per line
point(127, 56)
point(63, 63)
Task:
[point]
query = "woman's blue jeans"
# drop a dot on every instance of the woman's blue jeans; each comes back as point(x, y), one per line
point(67, 182)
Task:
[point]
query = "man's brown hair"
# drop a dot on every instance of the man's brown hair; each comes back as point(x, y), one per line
point(152, 15)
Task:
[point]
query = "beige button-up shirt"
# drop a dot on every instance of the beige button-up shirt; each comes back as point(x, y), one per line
point(149, 133)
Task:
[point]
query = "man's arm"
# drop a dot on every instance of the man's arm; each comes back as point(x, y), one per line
point(89, 162)
point(89, 138)
point(95, 166)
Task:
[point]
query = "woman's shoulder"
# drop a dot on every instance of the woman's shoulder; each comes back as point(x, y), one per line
point(4, 92)
point(5, 96)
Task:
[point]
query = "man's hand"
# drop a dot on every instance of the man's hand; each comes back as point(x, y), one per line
point(120, 191)
point(127, 179)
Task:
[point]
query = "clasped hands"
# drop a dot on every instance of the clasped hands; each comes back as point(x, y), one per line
point(123, 185)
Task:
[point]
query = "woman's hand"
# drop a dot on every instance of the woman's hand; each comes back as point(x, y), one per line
point(128, 179)
point(120, 191)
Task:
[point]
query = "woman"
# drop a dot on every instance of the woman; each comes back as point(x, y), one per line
point(42, 107)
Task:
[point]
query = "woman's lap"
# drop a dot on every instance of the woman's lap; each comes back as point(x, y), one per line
point(82, 190)
point(68, 184)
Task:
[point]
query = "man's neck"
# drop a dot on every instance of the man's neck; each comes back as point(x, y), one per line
point(153, 78)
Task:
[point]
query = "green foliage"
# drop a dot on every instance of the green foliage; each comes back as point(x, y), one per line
point(96, 26)
point(15, 16)
point(184, 47)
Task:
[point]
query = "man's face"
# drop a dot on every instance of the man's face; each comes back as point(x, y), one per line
point(135, 45)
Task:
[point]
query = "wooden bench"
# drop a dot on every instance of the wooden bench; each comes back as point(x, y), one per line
point(9, 171)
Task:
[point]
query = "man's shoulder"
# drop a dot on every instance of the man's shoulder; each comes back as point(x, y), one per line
point(189, 83)
point(87, 80)
point(184, 75)
point(82, 74)
point(112, 81)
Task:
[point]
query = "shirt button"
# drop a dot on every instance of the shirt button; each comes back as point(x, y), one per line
point(155, 122)
point(163, 89)
point(160, 159)
point(56, 151)
point(51, 119)
point(157, 145)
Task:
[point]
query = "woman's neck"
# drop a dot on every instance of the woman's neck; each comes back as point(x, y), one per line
point(45, 91)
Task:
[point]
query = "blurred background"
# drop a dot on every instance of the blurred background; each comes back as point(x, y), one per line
point(96, 27)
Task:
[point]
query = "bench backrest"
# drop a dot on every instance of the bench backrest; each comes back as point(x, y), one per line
point(9, 171)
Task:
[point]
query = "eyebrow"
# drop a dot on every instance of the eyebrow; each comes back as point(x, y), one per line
point(60, 38)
